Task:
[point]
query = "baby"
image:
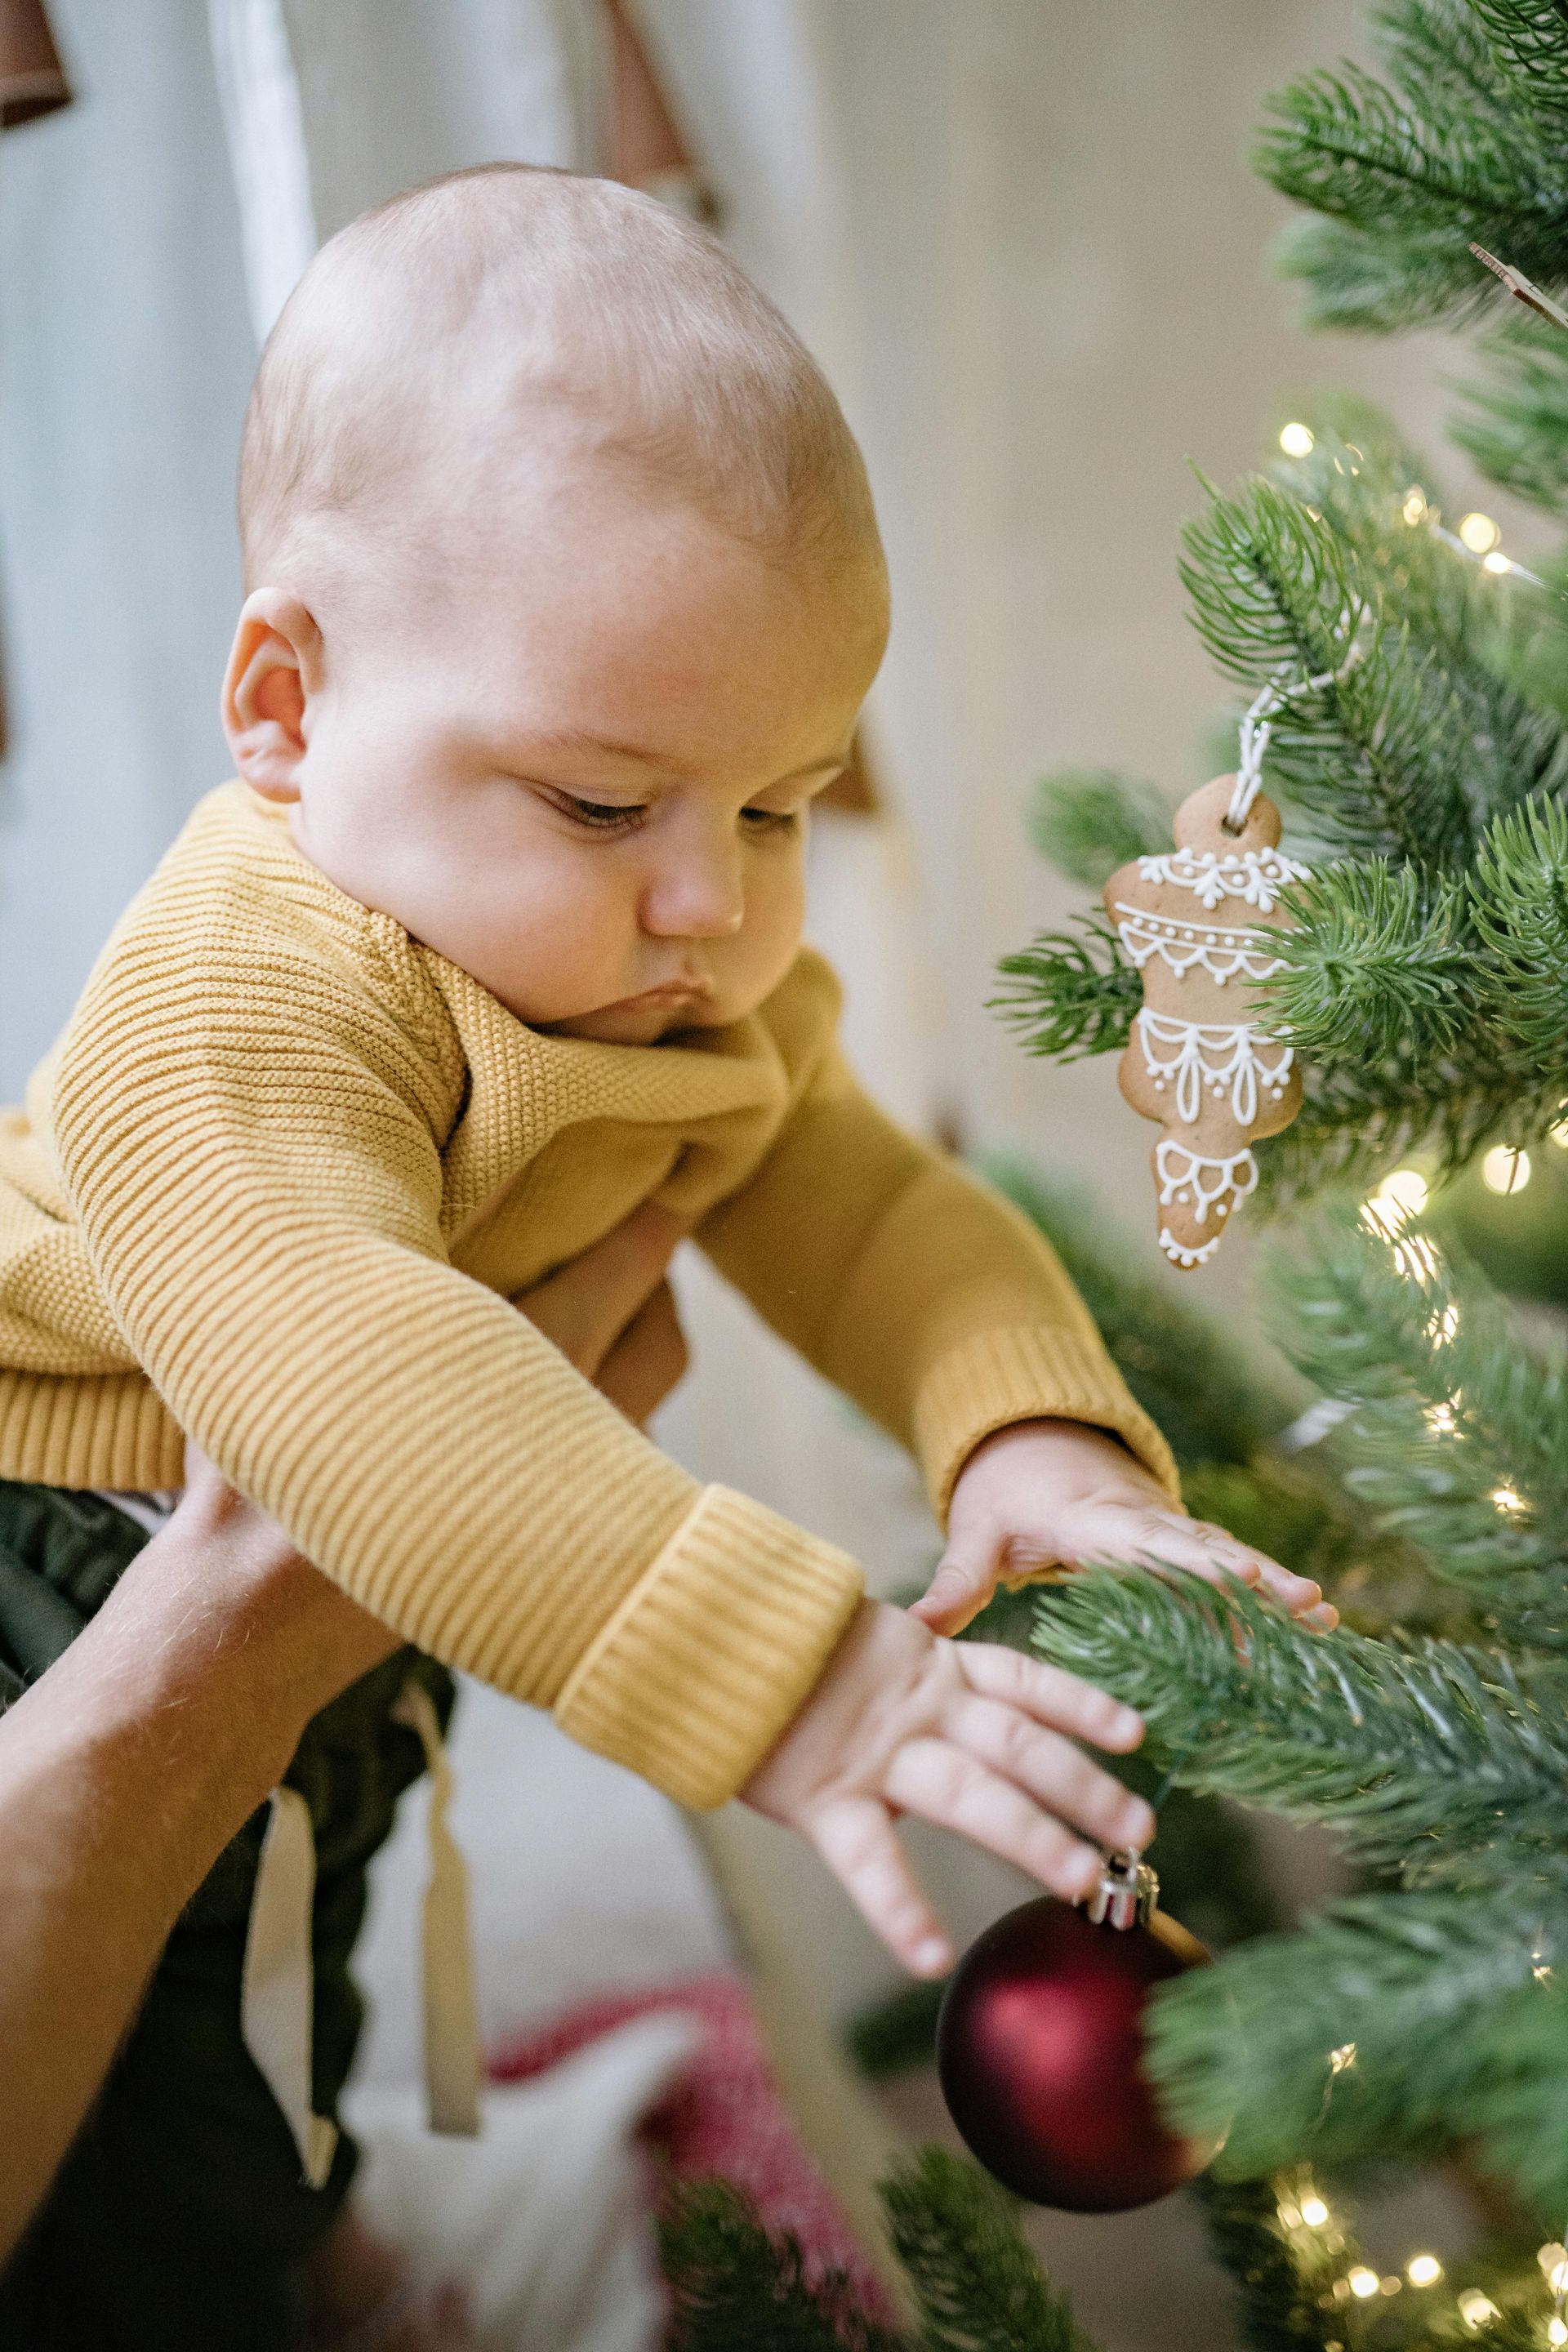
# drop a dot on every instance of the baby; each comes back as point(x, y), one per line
point(564, 593)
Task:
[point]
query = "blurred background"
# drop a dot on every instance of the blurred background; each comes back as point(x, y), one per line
point(1023, 239)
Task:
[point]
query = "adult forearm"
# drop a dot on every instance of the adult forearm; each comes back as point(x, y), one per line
point(124, 1773)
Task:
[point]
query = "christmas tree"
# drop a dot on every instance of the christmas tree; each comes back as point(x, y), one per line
point(1414, 676)
point(1415, 680)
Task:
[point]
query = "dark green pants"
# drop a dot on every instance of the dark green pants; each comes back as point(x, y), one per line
point(180, 2222)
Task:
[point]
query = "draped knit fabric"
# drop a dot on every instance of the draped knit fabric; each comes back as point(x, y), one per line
point(276, 1187)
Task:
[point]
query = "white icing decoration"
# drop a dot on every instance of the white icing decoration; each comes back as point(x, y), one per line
point(1213, 1054)
point(1184, 1174)
point(1179, 1253)
point(1258, 876)
point(1225, 952)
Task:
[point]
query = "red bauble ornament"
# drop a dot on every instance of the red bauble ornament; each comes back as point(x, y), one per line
point(1040, 2048)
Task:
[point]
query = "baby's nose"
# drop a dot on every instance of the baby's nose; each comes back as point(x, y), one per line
point(699, 898)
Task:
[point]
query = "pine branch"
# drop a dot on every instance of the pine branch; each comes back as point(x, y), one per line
point(1379, 968)
point(1072, 997)
point(1436, 1760)
point(1089, 821)
point(1517, 427)
point(1358, 1119)
point(1373, 281)
point(1462, 142)
point(1214, 1401)
point(1528, 39)
point(1389, 2024)
point(731, 2285)
point(1520, 899)
point(1460, 1440)
point(1278, 591)
point(1278, 2311)
point(980, 2288)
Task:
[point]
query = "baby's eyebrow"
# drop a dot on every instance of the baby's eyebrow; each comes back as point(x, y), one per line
point(575, 740)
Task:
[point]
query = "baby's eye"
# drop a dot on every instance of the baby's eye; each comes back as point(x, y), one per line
point(602, 816)
point(758, 820)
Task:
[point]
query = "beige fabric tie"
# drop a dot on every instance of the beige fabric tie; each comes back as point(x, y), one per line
point(277, 1987)
point(451, 2012)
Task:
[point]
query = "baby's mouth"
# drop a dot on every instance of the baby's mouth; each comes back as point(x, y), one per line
point(688, 989)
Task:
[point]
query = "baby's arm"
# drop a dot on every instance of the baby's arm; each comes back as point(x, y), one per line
point(254, 1146)
point(943, 1311)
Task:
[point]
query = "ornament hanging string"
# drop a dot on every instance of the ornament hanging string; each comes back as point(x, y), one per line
point(1258, 724)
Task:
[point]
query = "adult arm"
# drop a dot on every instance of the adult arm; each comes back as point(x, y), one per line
point(124, 1771)
point(128, 1766)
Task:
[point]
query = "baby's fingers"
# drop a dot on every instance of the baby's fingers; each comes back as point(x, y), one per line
point(856, 1839)
point(1065, 1702)
point(964, 1582)
point(1171, 1541)
point(942, 1783)
point(1050, 1769)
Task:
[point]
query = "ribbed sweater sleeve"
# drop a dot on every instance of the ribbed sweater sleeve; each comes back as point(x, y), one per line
point(916, 1289)
point(251, 1133)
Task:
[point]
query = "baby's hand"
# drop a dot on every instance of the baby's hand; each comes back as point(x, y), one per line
point(975, 1737)
point(1055, 1493)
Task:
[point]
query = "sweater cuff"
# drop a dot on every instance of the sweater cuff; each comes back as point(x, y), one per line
point(713, 1651)
point(1032, 1372)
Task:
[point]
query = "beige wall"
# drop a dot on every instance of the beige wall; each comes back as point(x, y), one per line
point(1061, 300)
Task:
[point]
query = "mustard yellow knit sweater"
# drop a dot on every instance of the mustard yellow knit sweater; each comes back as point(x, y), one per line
point(276, 1187)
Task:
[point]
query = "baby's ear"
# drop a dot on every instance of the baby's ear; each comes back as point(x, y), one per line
point(273, 670)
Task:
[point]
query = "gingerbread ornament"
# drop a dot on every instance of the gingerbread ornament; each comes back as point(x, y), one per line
point(1196, 921)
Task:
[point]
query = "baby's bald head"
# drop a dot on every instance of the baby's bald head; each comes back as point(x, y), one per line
point(507, 318)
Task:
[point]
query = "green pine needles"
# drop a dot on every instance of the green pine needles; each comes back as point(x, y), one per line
point(1425, 776)
point(1432, 2009)
point(978, 2288)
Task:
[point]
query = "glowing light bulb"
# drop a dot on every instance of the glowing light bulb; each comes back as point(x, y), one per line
point(1556, 2331)
point(1557, 2277)
point(1415, 509)
point(1409, 1186)
point(1551, 2254)
point(1504, 1170)
point(1298, 440)
point(1342, 2057)
point(1314, 2212)
point(1560, 1135)
point(1364, 2284)
point(1496, 561)
point(1424, 2270)
point(1507, 1500)
point(1479, 533)
point(1403, 1194)
point(1476, 2309)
